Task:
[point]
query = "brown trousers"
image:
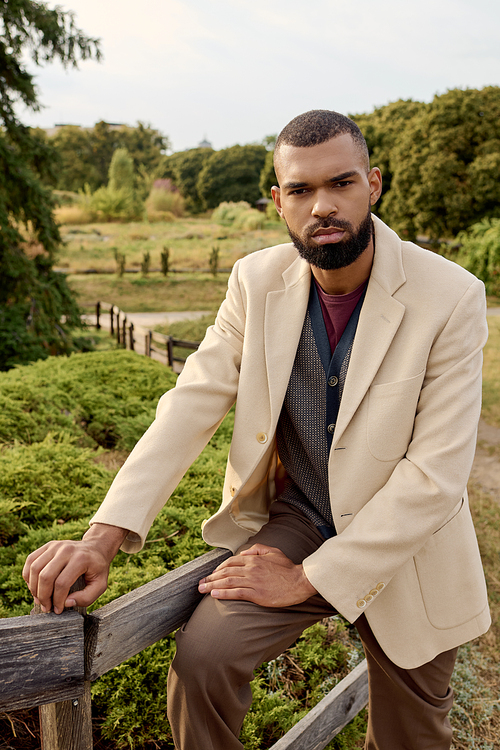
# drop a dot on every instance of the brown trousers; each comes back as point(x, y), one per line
point(224, 641)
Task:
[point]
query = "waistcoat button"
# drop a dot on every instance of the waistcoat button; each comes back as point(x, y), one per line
point(333, 380)
point(331, 428)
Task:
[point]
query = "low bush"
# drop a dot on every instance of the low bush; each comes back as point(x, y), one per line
point(74, 215)
point(155, 217)
point(120, 204)
point(99, 398)
point(480, 253)
point(239, 216)
point(65, 197)
point(164, 199)
point(226, 212)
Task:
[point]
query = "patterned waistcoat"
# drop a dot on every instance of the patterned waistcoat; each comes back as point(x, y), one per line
point(307, 420)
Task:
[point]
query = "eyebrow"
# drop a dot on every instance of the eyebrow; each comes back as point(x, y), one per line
point(337, 178)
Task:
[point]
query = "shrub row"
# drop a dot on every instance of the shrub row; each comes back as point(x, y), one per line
point(65, 424)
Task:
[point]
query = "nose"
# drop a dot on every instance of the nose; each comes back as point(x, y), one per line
point(324, 204)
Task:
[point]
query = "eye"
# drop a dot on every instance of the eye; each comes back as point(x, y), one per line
point(299, 191)
point(342, 183)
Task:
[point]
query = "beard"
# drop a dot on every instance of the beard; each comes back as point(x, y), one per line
point(334, 255)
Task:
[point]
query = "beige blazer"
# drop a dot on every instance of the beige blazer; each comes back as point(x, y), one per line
point(406, 553)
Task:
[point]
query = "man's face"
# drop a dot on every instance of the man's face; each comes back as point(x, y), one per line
point(325, 198)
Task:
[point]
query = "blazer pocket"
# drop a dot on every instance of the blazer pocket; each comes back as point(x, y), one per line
point(391, 413)
point(450, 573)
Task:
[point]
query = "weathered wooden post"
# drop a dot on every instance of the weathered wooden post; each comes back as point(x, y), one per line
point(124, 332)
point(131, 337)
point(112, 320)
point(98, 315)
point(67, 725)
point(170, 351)
point(118, 327)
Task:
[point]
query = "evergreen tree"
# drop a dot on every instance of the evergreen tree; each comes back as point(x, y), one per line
point(37, 310)
point(232, 174)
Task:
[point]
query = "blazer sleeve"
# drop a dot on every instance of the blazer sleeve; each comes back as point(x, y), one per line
point(428, 482)
point(187, 416)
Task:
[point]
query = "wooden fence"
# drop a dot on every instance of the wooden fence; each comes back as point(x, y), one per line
point(154, 343)
point(50, 660)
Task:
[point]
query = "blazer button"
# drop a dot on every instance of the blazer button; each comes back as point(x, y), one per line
point(232, 491)
point(368, 598)
point(361, 603)
point(380, 586)
point(374, 592)
point(261, 437)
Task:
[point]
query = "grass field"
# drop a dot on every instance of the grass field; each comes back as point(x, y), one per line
point(134, 293)
point(190, 241)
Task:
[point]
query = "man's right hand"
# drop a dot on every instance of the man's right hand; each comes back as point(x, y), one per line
point(51, 570)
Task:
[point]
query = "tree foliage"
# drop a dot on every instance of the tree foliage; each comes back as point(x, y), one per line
point(439, 160)
point(36, 307)
point(232, 174)
point(268, 176)
point(85, 153)
point(183, 168)
point(480, 253)
point(382, 130)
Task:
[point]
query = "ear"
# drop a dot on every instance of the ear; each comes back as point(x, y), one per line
point(375, 182)
point(275, 192)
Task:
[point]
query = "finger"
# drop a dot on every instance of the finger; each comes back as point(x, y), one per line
point(242, 594)
point(88, 595)
point(260, 549)
point(53, 573)
point(96, 578)
point(54, 583)
point(30, 560)
point(231, 562)
point(223, 582)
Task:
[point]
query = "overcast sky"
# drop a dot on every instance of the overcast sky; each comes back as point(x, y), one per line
point(234, 71)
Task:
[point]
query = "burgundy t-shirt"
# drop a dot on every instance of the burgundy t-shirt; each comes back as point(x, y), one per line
point(337, 309)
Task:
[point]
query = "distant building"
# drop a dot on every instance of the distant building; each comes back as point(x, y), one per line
point(52, 131)
point(205, 144)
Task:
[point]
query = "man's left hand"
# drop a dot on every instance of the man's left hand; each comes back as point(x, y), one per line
point(263, 575)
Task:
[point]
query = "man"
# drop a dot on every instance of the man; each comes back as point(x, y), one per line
point(356, 369)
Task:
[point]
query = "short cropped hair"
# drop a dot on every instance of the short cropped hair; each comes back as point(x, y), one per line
point(317, 126)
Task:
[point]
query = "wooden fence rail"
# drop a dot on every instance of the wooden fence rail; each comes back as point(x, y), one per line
point(48, 657)
point(157, 343)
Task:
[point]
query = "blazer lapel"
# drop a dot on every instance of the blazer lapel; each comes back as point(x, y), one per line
point(284, 318)
point(380, 318)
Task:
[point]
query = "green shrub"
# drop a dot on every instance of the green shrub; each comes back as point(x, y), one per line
point(239, 215)
point(250, 221)
point(165, 260)
point(146, 263)
point(226, 212)
point(158, 216)
point(98, 398)
point(109, 204)
point(76, 215)
point(271, 212)
point(45, 483)
point(162, 200)
point(480, 253)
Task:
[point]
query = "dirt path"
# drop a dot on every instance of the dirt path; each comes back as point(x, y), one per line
point(486, 468)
